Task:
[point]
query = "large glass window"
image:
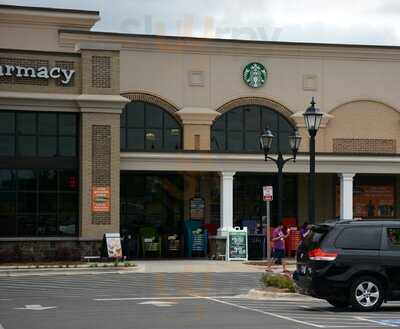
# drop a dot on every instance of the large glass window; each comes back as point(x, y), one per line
point(239, 130)
point(38, 134)
point(151, 199)
point(248, 203)
point(374, 196)
point(40, 202)
point(38, 174)
point(146, 126)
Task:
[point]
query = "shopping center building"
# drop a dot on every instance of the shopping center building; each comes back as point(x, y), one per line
point(108, 132)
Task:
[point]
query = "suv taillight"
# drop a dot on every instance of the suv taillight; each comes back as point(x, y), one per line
point(319, 254)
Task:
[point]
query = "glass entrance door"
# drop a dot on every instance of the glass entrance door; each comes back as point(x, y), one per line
point(151, 199)
point(248, 201)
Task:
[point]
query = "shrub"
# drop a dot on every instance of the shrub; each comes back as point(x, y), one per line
point(278, 281)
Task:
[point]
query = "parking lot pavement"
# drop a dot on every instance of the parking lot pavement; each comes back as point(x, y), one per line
point(318, 314)
point(167, 300)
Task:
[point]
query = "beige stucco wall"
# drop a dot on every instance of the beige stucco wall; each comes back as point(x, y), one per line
point(205, 74)
point(28, 37)
point(363, 120)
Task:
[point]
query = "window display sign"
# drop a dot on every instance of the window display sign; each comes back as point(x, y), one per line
point(101, 199)
point(113, 241)
point(370, 201)
point(197, 207)
point(237, 244)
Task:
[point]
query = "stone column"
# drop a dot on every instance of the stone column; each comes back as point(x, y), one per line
point(197, 123)
point(226, 213)
point(99, 162)
point(346, 195)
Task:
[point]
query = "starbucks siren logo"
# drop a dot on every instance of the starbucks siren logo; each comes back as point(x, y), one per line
point(254, 74)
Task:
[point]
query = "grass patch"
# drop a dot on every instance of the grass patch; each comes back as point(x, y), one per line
point(278, 281)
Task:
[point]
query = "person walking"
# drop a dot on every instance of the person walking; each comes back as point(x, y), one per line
point(278, 243)
point(304, 230)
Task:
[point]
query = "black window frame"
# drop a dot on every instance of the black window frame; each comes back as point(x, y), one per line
point(146, 128)
point(36, 163)
point(37, 135)
point(278, 143)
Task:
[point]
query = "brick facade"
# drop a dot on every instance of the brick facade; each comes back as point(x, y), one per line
point(152, 99)
point(101, 72)
point(371, 146)
point(257, 101)
point(101, 166)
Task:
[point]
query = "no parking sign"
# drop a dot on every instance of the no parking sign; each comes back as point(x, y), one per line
point(268, 193)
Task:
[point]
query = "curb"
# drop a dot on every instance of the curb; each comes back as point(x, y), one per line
point(271, 295)
point(56, 267)
point(69, 271)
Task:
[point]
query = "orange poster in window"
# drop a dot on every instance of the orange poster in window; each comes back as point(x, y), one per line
point(100, 199)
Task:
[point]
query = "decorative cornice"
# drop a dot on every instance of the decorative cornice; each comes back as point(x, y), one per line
point(62, 102)
point(299, 119)
point(233, 47)
point(48, 17)
point(243, 101)
point(197, 115)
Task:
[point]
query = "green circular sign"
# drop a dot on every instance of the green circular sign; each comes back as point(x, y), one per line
point(254, 74)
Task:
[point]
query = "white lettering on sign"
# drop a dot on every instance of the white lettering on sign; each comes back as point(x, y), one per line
point(42, 72)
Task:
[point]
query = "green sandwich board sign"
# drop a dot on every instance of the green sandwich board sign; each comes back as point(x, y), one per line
point(236, 245)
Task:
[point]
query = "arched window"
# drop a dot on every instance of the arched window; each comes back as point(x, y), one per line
point(239, 130)
point(146, 126)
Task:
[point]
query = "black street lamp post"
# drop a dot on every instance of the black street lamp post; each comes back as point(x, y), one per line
point(312, 118)
point(266, 141)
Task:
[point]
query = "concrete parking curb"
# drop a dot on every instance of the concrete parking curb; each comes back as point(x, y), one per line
point(68, 271)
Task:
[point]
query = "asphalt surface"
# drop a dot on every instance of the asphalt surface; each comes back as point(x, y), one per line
point(164, 301)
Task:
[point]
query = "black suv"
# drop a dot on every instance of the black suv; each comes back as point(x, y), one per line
point(351, 263)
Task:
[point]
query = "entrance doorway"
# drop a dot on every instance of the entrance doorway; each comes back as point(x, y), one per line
point(248, 201)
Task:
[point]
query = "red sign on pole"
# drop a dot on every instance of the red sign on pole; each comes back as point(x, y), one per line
point(268, 193)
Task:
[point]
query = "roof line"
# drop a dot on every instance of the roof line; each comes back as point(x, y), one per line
point(77, 11)
point(186, 38)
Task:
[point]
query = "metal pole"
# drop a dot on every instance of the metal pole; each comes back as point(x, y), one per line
point(280, 164)
point(268, 231)
point(311, 181)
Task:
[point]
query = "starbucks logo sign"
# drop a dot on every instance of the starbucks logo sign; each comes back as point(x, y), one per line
point(254, 74)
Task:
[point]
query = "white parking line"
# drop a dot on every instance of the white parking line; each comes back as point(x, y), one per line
point(158, 298)
point(1, 327)
point(267, 313)
point(373, 321)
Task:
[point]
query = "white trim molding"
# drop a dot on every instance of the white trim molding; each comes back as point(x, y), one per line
point(217, 162)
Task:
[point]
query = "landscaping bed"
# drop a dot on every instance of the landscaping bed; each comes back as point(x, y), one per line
point(278, 283)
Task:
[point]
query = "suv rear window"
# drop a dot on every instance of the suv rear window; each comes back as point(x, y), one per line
point(314, 238)
point(361, 238)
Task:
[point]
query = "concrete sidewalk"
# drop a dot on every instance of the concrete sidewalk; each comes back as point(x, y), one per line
point(201, 266)
point(149, 266)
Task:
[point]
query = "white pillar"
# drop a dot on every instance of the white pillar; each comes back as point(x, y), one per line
point(226, 207)
point(346, 195)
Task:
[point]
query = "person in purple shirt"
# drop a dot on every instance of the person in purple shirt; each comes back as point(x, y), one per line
point(304, 230)
point(278, 245)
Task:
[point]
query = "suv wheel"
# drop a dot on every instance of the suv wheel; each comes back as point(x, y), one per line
point(338, 303)
point(366, 294)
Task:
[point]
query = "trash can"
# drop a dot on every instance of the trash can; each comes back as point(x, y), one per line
point(256, 246)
